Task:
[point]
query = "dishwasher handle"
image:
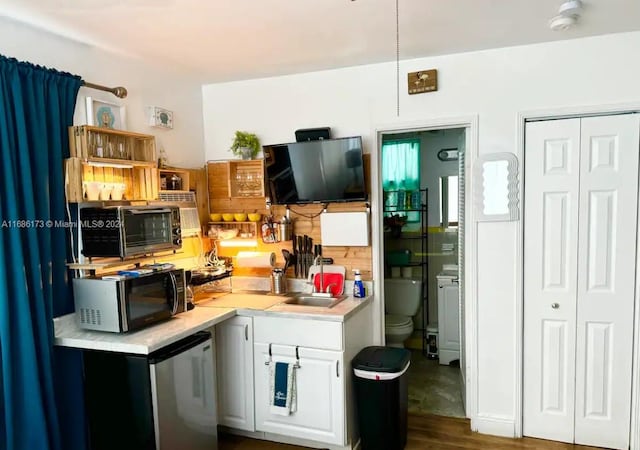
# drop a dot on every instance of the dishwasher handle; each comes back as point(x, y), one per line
point(179, 347)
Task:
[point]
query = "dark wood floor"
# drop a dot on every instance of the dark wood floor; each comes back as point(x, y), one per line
point(426, 432)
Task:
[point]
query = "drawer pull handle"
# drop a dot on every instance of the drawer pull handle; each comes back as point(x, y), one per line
point(266, 363)
point(297, 364)
point(246, 332)
point(338, 369)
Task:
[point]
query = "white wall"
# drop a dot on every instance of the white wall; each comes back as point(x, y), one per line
point(147, 85)
point(495, 85)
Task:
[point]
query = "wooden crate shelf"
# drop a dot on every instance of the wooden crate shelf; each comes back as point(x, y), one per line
point(241, 179)
point(109, 145)
point(141, 181)
point(167, 173)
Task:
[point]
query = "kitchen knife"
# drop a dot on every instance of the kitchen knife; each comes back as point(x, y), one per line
point(294, 261)
point(309, 253)
point(305, 244)
point(300, 262)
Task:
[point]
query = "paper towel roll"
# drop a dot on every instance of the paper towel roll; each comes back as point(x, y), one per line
point(256, 259)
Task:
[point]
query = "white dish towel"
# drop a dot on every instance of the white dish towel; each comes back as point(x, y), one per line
point(282, 388)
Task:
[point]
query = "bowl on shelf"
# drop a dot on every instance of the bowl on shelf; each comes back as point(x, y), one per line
point(215, 217)
point(254, 217)
point(240, 217)
point(227, 217)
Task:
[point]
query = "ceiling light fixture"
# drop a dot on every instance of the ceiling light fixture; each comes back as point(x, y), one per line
point(571, 8)
point(568, 15)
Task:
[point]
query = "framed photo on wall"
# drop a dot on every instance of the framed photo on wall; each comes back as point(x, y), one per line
point(105, 114)
point(160, 117)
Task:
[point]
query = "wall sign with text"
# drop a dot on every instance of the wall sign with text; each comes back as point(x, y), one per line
point(422, 81)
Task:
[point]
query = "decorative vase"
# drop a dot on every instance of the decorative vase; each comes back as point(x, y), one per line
point(246, 153)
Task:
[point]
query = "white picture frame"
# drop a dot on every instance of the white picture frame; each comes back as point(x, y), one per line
point(105, 114)
point(160, 117)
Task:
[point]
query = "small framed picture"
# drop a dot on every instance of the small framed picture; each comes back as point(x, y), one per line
point(105, 114)
point(160, 117)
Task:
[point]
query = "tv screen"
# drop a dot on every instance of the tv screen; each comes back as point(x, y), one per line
point(328, 170)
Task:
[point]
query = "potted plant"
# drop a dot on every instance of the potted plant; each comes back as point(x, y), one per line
point(394, 224)
point(246, 145)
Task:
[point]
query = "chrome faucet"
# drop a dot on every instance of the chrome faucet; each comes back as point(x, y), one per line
point(315, 262)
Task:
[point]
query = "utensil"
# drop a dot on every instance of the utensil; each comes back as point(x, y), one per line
point(286, 254)
point(294, 257)
point(309, 255)
point(300, 257)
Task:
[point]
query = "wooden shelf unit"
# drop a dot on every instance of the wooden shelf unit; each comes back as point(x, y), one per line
point(109, 145)
point(236, 179)
point(141, 181)
point(106, 155)
point(168, 172)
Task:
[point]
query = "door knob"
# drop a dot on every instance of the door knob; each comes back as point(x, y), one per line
point(555, 305)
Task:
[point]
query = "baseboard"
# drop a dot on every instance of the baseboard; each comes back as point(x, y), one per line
point(494, 425)
point(265, 436)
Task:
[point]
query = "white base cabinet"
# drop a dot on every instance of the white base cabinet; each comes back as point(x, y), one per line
point(234, 373)
point(325, 415)
point(448, 318)
point(320, 386)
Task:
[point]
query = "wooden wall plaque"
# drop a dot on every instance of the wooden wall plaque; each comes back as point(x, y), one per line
point(422, 81)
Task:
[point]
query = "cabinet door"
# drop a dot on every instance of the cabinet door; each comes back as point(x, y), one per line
point(320, 413)
point(234, 373)
point(448, 324)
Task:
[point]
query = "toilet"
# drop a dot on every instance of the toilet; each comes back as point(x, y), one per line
point(402, 298)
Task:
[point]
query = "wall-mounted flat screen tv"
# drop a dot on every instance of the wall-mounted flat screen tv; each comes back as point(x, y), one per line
point(323, 171)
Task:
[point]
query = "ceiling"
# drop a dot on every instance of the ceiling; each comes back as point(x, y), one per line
point(224, 40)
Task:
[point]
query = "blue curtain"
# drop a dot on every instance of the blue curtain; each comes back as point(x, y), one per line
point(36, 107)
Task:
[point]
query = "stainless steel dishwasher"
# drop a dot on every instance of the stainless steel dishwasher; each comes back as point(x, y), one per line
point(162, 401)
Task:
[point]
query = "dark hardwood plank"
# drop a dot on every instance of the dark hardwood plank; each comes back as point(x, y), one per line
point(426, 432)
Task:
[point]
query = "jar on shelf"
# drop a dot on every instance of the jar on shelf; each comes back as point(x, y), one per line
point(175, 182)
point(391, 197)
point(416, 199)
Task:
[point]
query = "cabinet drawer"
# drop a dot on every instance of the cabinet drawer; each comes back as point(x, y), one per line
point(304, 333)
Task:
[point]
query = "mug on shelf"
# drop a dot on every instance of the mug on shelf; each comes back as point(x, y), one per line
point(105, 191)
point(117, 192)
point(92, 189)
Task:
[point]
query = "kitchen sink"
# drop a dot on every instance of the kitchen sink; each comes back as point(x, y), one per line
point(309, 300)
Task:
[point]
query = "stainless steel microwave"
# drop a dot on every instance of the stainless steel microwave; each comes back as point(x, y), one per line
point(124, 231)
point(121, 303)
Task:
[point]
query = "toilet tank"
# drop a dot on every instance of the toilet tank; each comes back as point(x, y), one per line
point(402, 296)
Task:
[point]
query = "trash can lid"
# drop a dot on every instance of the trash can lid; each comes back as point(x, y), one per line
point(382, 359)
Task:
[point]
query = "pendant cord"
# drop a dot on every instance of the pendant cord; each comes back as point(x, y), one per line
point(397, 60)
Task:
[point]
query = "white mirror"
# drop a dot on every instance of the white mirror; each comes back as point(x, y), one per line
point(496, 187)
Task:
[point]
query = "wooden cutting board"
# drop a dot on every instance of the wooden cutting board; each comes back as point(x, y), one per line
point(248, 301)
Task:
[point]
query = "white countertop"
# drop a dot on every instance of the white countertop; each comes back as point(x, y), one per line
point(144, 341)
point(204, 315)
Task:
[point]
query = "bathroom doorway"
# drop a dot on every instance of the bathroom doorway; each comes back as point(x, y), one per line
point(422, 208)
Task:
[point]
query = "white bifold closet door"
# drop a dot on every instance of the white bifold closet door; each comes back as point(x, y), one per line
point(581, 184)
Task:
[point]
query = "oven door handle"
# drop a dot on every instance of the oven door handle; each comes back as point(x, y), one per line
point(174, 284)
point(148, 211)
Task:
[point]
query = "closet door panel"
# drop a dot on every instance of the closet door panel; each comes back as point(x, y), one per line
point(551, 200)
point(606, 279)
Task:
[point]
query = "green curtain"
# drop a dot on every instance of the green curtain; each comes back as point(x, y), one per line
point(401, 163)
point(36, 107)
